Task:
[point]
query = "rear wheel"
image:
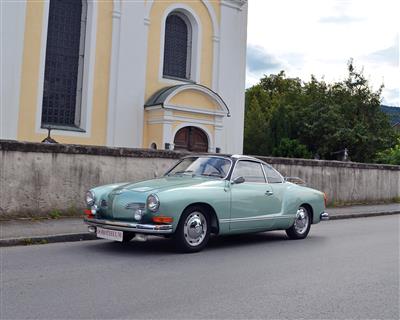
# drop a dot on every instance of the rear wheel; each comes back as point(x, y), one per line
point(302, 224)
point(193, 230)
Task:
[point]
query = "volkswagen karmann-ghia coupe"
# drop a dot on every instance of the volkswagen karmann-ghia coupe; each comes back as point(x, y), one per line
point(203, 195)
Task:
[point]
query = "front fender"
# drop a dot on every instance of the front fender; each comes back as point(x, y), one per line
point(174, 201)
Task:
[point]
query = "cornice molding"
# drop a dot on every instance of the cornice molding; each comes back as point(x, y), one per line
point(234, 4)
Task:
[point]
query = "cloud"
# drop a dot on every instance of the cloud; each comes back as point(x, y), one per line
point(388, 55)
point(259, 61)
point(391, 96)
point(341, 14)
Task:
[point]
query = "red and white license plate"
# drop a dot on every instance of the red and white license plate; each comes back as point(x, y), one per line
point(109, 234)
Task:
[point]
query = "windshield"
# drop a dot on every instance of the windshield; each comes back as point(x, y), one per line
point(202, 166)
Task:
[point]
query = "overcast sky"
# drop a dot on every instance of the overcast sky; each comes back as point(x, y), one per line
point(304, 37)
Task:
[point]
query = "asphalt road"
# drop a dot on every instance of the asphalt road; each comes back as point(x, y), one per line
point(344, 269)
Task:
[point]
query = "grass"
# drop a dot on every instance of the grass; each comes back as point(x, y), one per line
point(334, 204)
point(71, 212)
point(55, 214)
point(29, 242)
point(396, 199)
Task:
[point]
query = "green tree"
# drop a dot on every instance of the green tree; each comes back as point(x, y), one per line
point(316, 118)
point(254, 128)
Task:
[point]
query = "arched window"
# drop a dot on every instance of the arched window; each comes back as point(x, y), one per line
point(63, 74)
point(177, 46)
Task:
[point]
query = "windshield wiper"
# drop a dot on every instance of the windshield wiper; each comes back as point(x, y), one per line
point(183, 172)
point(212, 175)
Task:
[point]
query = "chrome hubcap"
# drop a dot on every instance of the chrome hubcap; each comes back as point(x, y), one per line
point(302, 220)
point(195, 228)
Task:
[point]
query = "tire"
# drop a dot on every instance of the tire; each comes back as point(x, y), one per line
point(127, 236)
point(193, 231)
point(302, 224)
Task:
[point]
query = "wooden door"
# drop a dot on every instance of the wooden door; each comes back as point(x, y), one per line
point(191, 139)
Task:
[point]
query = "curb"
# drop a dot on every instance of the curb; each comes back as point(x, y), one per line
point(71, 237)
point(362, 215)
point(24, 241)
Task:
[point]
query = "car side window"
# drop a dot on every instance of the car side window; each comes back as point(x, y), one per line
point(250, 171)
point(272, 175)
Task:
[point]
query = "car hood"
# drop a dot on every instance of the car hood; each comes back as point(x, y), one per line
point(165, 183)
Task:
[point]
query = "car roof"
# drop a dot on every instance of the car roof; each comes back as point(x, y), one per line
point(232, 157)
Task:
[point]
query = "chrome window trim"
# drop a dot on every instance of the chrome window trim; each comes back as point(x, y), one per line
point(203, 156)
point(265, 175)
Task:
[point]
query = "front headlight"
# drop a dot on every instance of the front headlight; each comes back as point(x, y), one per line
point(90, 198)
point(153, 203)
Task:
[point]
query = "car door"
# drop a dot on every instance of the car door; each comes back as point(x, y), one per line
point(278, 187)
point(249, 199)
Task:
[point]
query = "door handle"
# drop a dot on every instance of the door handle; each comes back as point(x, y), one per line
point(268, 193)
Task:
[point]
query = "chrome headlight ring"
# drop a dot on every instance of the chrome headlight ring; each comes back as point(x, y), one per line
point(153, 203)
point(90, 198)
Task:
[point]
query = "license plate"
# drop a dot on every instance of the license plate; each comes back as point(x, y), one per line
point(109, 234)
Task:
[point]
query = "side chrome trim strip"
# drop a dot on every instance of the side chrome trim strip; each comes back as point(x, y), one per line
point(256, 218)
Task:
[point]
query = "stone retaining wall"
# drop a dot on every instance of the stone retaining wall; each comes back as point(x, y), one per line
point(38, 179)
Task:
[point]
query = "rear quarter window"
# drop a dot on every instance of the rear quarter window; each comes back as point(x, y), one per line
point(272, 175)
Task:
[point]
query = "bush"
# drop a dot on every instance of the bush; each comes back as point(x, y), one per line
point(390, 156)
point(291, 148)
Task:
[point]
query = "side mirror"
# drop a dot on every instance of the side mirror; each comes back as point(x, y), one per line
point(238, 180)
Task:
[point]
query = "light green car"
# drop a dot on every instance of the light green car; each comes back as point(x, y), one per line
point(203, 195)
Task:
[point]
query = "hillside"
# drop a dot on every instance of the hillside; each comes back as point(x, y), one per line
point(392, 112)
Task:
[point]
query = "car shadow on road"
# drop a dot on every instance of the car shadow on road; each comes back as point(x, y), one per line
point(271, 238)
point(158, 245)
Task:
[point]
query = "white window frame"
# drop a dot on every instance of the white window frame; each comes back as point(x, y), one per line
point(189, 45)
point(194, 29)
point(79, 80)
point(83, 110)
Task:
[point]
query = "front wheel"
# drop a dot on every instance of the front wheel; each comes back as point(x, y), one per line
point(302, 224)
point(193, 230)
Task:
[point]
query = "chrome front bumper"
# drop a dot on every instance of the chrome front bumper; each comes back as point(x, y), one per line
point(130, 226)
point(324, 216)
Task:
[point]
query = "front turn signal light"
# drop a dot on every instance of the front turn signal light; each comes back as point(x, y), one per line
point(161, 219)
point(89, 213)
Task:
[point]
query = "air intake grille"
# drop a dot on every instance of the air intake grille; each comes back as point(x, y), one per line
point(135, 206)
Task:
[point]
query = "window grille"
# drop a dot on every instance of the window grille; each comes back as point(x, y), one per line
point(64, 62)
point(177, 47)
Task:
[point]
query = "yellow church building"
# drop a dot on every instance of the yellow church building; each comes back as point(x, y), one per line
point(143, 74)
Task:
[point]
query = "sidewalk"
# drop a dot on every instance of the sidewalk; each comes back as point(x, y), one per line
point(24, 232)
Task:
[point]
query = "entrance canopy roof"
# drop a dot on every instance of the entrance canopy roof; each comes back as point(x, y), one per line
point(164, 96)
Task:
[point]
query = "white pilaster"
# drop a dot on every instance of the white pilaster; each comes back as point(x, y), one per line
point(168, 135)
point(12, 45)
point(219, 134)
point(232, 72)
point(112, 91)
point(128, 69)
point(215, 71)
